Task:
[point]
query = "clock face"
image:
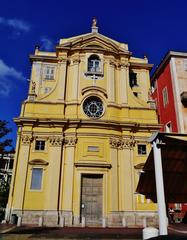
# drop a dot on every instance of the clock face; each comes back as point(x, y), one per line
point(93, 107)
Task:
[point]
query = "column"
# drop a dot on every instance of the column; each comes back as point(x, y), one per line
point(114, 188)
point(160, 189)
point(67, 196)
point(21, 173)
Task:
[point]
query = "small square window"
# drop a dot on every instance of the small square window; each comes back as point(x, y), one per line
point(36, 179)
point(49, 73)
point(142, 149)
point(40, 145)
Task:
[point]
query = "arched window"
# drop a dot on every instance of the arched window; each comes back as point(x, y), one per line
point(94, 64)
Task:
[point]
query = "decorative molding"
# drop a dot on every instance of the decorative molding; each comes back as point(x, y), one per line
point(112, 63)
point(127, 143)
point(76, 61)
point(122, 143)
point(55, 141)
point(38, 162)
point(94, 89)
point(95, 165)
point(124, 65)
point(62, 60)
point(26, 139)
point(114, 142)
point(70, 141)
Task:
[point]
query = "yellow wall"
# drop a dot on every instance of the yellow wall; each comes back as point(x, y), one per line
point(57, 117)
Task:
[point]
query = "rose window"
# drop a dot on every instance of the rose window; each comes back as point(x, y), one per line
point(93, 107)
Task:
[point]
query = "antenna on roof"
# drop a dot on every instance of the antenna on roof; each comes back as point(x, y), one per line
point(94, 25)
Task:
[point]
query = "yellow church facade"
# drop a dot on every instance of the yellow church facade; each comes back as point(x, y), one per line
point(82, 136)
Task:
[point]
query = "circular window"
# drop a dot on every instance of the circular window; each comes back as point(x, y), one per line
point(93, 107)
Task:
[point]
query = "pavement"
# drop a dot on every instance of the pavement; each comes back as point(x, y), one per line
point(176, 231)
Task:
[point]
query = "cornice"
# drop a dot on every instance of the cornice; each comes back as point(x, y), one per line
point(88, 123)
point(93, 164)
point(20, 121)
point(141, 65)
point(42, 58)
point(165, 61)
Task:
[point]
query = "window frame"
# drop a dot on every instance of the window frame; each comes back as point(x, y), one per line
point(94, 59)
point(47, 74)
point(41, 179)
point(141, 153)
point(40, 140)
point(96, 74)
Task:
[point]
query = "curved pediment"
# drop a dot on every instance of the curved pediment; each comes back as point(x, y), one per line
point(38, 162)
point(94, 89)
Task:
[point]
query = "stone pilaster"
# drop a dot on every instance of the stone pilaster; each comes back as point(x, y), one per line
point(21, 174)
point(123, 83)
point(67, 196)
point(62, 77)
point(111, 81)
point(126, 181)
point(75, 83)
point(114, 188)
point(53, 181)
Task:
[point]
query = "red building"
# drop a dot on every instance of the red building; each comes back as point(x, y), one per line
point(169, 90)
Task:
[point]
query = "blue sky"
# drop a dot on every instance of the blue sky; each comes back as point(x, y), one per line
point(149, 27)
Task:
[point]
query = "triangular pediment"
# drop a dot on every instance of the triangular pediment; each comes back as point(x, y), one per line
point(94, 41)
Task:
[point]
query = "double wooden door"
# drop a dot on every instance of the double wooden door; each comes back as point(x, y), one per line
point(91, 198)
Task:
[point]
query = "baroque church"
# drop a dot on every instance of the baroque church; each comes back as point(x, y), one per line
point(83, 136)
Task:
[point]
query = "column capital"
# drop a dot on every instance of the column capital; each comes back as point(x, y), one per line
point(26, 139)
point(70, 141)
point(114, 142)
point(127, 143)
point(63, 60)
point(56, 141)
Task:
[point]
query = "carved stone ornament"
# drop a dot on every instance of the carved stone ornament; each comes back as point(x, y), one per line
point(122, 143)
point(113, 63)
point(124, 65)
point(26, 139)
point(56, 141)
point(63, 60)
point(114, 142)
point(70, 141)
point(127, 143)
point(76, 61)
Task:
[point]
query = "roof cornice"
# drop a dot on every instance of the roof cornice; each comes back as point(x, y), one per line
point(165, 61)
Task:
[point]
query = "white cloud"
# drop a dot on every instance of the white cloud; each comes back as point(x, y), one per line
point(16, 24)
point(47, 44)
point(7, 74)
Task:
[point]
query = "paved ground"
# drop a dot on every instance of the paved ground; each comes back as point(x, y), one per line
point(11, 232)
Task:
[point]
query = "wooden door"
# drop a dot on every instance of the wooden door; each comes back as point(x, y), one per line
point(91, 199)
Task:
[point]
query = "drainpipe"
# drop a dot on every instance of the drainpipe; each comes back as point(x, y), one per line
point(160, 188)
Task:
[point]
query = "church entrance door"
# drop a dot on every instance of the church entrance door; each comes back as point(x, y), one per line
point(91, 198)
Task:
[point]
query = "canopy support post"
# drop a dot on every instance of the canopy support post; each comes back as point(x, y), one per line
point(160, 189)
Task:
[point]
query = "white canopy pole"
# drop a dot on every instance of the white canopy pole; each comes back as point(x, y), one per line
point(160, 189)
